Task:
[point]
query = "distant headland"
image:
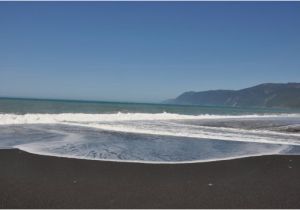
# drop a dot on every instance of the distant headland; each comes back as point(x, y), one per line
point(279, 95)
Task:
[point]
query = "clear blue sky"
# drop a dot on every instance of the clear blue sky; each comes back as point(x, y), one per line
point(145, 51)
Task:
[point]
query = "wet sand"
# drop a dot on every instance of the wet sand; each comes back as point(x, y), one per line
point(34, 181)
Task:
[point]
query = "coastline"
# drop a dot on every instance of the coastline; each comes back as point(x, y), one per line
point(35, 181)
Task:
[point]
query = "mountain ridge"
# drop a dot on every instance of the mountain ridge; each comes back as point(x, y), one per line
point(277, 95)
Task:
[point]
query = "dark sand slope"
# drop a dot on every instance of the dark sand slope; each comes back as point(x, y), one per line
point(32, 181)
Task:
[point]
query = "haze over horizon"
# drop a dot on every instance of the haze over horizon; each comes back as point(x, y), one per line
point(144, 51)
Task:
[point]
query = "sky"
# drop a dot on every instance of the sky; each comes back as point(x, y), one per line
point(145, 51)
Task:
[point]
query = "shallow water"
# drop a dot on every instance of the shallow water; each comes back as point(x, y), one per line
point(149, 137)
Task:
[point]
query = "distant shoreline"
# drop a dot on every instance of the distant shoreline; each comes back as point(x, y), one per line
point(265, 95)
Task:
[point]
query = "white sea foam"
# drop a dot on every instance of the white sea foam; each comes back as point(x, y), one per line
point(6, 119)
point(144, 149)
point(203, 132)
point(162, 124)
point(40, 152)
point(86, 140)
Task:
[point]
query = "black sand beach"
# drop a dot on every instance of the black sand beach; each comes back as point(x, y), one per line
point(33, 181)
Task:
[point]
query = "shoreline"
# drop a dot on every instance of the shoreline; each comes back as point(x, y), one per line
point(36, 181)
point(146, 162)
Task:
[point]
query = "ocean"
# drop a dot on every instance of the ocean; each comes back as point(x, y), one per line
point(146, 133)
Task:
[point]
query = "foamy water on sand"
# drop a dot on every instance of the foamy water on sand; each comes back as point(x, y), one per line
point(152, 133)
point(151, 137)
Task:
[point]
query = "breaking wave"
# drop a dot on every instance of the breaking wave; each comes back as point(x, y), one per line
point(6, 119)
